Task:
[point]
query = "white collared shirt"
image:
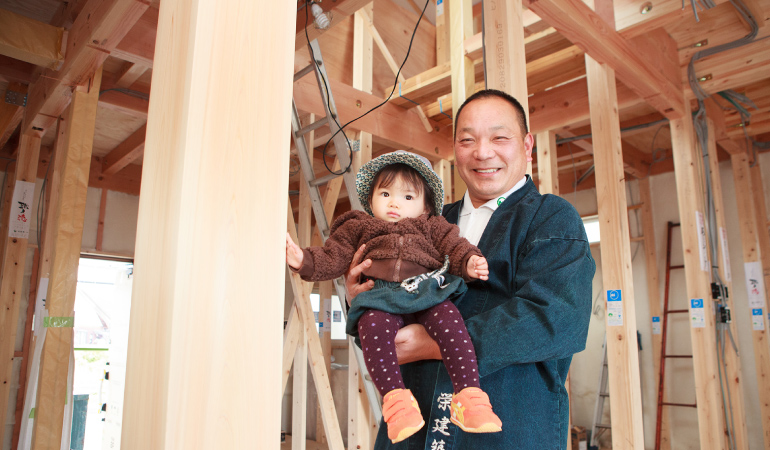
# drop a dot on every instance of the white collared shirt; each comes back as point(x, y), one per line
point(473, 221)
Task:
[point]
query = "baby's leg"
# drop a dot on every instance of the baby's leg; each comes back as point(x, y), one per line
point(446, 326)
point(377, 331)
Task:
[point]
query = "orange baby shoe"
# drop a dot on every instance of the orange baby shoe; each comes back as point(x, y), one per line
point(402, 414)
point(472, 412)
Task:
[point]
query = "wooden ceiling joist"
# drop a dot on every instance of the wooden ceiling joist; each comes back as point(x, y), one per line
point(125, 153)
point(29, 40)
point(581, 25)
point(98, 29)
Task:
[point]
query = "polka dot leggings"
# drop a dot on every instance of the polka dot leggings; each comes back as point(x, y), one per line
point(443, 323)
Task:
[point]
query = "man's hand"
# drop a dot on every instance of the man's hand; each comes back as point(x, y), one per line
point(354, 274)
point(414, 344)
point(478, 267)
point(294, 255)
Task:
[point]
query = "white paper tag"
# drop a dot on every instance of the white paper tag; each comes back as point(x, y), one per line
point(702, 248)
point(21, 210)
point(614, 308)
point(326, 319)
point(757, 319)
point(656, 325)
point(725, 255)
point(697, 313)
point(439, 7)
point(337, 316)
point(755, 284)
point(582, 445)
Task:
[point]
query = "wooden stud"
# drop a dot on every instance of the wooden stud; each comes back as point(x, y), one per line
point(444, 170)
point(731, 363)
point(14, 259)
point(299, 394)
point(463, 78)
point(547, 170)
point(653, 295)
point(291, 336)
point(622, 351)
point(211, 166)
point(442, 32)
point(68, 214)
point(125, 153)
point(100, 226)
point(325, 289)
point(689, 187)
point(129, 73)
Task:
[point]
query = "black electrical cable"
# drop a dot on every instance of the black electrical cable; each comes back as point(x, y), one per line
point(395, 83)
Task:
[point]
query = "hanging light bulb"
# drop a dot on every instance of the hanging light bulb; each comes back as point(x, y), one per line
point(322, 20)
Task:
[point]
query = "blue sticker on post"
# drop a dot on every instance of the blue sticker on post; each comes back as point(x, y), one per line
point(697, 313)
point(757, 319)
point(656, 329)
point(614, 308)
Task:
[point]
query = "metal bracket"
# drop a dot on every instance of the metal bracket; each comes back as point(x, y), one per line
point(15, 98)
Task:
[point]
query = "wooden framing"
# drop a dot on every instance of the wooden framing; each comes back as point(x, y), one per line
point(622, 351)
point(211, 165)
point(689, 181)
point(731, 362)
point(14, 259)
point(29, 40)
point(125, 153)
point(53, 391)
point(463, 78)
point(547, 171)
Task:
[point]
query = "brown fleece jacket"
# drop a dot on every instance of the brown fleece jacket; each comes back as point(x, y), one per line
point(398, 250)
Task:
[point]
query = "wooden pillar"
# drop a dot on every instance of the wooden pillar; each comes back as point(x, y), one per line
point(756, 286)
point(299, 391)
point(463, 77)
point(14, 260)
point(653, 295)
point(697, 267)
point(325, 289)
point(731, 364)
point(760, 214)
point(67, 231)
point(504, 56)
point(215, 166)
point(547, 169)
point(622, 350)
point(442, 32)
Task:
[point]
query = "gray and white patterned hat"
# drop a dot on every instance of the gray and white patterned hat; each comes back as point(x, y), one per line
point(368, 171)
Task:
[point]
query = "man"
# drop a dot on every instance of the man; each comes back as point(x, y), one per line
point(532, 314)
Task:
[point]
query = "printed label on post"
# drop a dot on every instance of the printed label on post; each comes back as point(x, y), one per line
point(614, 308)
point(757, 319)
point(656, 325)
point(21, 210)
point(755, 284)
point(725, 254)
point(337, 316)
point(702, 248)
point(315, 314)
point(697, 313)
point(439, 7)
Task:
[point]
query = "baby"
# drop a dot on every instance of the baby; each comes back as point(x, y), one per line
point(419, 264)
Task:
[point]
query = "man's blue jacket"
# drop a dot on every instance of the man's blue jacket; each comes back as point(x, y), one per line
point(526, 322)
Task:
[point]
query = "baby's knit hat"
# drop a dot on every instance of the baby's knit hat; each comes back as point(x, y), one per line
point(419, 163)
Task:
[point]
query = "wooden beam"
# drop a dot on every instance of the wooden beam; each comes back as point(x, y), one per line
point(53, 391)
point(589, 31)
point(129, 73)
point(99, 27)
point(14, 260)
point(138, 45)
point(216, 149)
point(731, 363)
point(29, 40)
point(10, 115)
point(622, 351)
point(547, 170)
point(750, 246)
point(653, 295)
point(125, 153)
point(689, 172)
point(730, 70)
point(504, 57)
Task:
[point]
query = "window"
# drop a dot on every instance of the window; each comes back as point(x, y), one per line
point(337, 319)
point(591, 223)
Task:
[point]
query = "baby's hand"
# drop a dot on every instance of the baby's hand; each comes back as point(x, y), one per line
point(478, 267)
point(294, 255)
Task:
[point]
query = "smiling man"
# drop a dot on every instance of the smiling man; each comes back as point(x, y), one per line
point(531, 315)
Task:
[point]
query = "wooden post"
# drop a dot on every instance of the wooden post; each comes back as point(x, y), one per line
point(751, 242)
point(547, 170)
point(504, 56)
point(325, 289)
point(463, 77)
point(760, 213)
point(363, 57)
point(299, 390)
point(442, 32)
point(697, 268)
point(68, 215)
point(102, 214)
point(653, 294)
point(216, 153)
point(14, 259)
point(731, 363)
point(622, 350)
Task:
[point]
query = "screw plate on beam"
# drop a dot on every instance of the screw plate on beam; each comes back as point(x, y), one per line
point(15, 98)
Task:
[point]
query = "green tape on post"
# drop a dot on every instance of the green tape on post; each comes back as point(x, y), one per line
point(59, 322)
point(32, 413)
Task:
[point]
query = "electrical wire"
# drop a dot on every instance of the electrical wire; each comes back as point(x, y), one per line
point(395, 83)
